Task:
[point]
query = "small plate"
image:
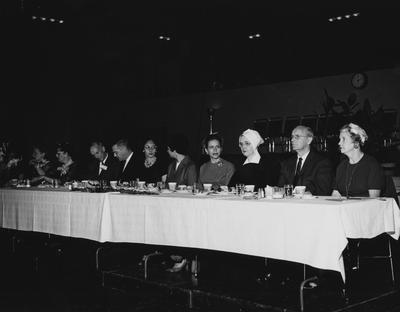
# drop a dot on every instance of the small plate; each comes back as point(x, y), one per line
point(200, 194)
point(182, 191)
point(166, 191)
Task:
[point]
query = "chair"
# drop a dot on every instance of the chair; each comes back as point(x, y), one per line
point(380, 240)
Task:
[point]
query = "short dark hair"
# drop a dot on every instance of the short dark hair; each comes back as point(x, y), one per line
point(179, 143)
point(124, 142)
point(66, 148)
point(40, 146)
point(211, 137)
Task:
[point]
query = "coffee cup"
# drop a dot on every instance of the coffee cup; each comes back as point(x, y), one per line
point(249, 188)
point(207, 187)
point(172, 186)
point(182, 187)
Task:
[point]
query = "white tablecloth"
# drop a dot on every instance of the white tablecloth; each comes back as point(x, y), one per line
point(56, 212)
point(312, 231)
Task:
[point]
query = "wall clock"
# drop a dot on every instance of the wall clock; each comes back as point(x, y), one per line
point(359, 80)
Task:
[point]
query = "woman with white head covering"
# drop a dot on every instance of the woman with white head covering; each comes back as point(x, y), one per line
point(255, 170)
point(358, 174)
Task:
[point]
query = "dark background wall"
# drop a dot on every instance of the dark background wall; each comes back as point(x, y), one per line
point(104, 74)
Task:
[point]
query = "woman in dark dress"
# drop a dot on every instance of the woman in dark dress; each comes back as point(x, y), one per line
point(68, 169)
point(39, 166)
point(151, 169)
point(255, 170)
point(359, 174)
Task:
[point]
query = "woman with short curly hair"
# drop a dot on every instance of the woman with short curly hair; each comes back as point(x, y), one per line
point(358, 175)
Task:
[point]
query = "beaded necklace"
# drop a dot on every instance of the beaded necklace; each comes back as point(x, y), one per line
point(350, 179)
point(148, 163)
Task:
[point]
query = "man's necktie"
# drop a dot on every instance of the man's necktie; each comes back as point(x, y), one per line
point(297, 173)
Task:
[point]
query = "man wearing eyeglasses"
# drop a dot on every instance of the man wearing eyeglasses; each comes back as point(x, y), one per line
point(307, 168)
point(106, 166)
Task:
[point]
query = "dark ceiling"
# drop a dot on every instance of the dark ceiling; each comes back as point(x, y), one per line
point(114, 44)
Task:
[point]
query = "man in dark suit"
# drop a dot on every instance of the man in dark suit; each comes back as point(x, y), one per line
point(123, 151)
point(106, 166)
point(307, 168)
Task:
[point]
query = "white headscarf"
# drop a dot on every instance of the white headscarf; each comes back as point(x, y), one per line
point(255, 140)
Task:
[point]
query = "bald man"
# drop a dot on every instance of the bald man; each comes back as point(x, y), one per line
point(106, 166)
point(307, 167)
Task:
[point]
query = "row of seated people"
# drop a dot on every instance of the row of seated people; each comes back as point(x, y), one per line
point(358, 174)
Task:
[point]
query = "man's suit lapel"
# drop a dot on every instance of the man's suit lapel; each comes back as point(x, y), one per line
point(307, 166)
point(292, 167)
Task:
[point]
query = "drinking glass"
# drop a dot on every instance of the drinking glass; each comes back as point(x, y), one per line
point(288, 188)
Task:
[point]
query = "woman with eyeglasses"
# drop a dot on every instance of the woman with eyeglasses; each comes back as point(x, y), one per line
point(152, 168)
point(67, 170)
point(359, 174)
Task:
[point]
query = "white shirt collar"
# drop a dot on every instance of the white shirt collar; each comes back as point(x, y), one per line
point(303, 158)
point(127, 160)
point(101, 163)
point(253, 159)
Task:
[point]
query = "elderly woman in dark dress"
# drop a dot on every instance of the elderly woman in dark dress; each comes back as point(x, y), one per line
point(359, 174)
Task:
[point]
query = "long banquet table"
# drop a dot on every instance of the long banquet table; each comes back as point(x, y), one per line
point(313, 231)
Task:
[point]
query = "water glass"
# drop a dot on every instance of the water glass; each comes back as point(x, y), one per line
point(160, 185)
point(240, 189)
point(288, 190)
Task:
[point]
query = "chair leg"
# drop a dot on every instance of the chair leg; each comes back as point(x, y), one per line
point(389, 256)
point(311, 279)
point(358, 255)
point(391, 261)
point(146, 259)
point(98, 251)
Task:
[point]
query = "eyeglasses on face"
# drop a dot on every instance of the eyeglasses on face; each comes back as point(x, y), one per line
point(297, 137)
